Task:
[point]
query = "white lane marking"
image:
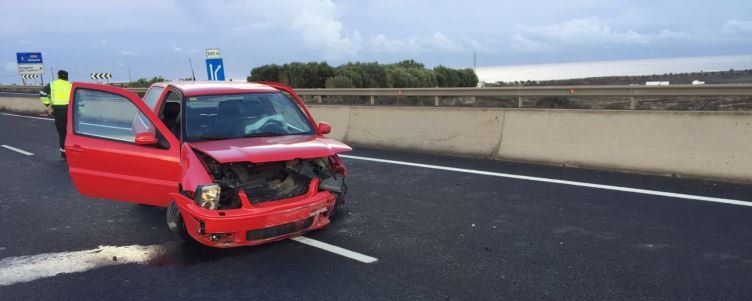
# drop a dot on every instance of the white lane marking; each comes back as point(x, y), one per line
point(564, 182)
point(29, 268)
point(335, 249)
point(20, 151)
point(20, 93)
point(24, 116)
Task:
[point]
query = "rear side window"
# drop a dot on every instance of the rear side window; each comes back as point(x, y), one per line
point(152, 96)
point(106, 115)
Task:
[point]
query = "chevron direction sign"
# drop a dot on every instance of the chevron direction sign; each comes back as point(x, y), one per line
point(101, 75)
point(30, 76)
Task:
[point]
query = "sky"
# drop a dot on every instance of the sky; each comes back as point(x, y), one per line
point(157, 37)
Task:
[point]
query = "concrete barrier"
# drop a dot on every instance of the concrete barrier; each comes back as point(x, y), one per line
point(715, 145)
point(338, 117)
point(469, 132)
point(704, 144)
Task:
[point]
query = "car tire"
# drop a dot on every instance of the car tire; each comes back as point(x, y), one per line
point(339, 202)
point(175, 222)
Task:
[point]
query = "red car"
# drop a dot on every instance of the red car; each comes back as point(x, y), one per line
point(235, 163)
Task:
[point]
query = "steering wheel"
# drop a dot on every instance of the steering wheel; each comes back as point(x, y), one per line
point(273, 126)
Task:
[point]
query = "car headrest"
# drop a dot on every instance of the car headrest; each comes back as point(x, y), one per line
point(171, 109)
point(228, 108)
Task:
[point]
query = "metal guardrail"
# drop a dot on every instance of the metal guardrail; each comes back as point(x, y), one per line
point(633, 92)
point(675, 90)
point(617, 90)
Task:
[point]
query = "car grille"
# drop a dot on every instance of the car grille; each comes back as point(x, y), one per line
point(280, 230)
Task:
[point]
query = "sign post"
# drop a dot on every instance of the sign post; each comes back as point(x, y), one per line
point(214, 65)
point(29, 64)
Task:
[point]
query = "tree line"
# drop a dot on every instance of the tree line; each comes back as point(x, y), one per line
point(405, 74)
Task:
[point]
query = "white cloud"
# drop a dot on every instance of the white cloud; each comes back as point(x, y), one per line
point(249, 28)
point(380, 43)
point(320, 29)
point(128, 52)
point(586, 31)
point(523, 44)
point(442, 42)
point(435, 42)
point(164, 16)
point(177, 49)
point(734, 26)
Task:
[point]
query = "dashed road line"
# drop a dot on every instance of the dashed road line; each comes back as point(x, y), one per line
point(24, 116)
point(335, 249)
point(20, 151)
point(556, 181)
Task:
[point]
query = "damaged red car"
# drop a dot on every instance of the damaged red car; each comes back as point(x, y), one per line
point(234, 163)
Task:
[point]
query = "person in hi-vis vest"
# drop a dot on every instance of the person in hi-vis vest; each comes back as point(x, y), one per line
point(55, 96)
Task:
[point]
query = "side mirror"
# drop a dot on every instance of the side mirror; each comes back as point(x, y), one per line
point(325, 128)
point(146, 138)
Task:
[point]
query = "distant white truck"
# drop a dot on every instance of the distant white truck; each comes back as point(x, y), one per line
point(657, 83)
point(697, 82)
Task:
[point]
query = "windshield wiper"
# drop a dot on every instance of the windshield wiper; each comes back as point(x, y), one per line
point(261, 135)
point(214, 137)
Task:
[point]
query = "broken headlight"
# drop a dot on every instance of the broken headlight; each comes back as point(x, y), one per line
point(207, 196)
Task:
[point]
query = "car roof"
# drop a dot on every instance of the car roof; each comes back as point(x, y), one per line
point(198, 88)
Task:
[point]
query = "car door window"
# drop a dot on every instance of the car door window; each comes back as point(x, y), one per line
point(152, 96)
point(106, 115)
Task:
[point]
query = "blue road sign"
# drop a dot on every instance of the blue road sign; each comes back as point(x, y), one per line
point(215, 69)
point(29, 57)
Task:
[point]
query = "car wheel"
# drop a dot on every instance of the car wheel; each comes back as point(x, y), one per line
point(340, 201)
point(175, 222)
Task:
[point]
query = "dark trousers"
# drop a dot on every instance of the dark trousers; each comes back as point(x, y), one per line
point(61, 123)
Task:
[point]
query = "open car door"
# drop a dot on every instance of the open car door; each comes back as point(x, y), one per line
point(115, 147)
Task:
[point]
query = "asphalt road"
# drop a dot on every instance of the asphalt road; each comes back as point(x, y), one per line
point(437, 234)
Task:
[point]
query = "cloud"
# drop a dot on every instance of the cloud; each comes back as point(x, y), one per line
point(380, 43)
point(582, 32)
point(128, 52)
point(249, 28)
point(133, 16)
point(177, 49)
point(433, 43)
point(734, 26)
point(320, 29)
point(442, 42)
point(523, 44)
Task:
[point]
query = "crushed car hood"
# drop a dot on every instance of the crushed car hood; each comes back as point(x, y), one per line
point(269, 149)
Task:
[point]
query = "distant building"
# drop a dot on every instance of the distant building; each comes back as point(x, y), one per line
point(657, 83)
point(697, 82)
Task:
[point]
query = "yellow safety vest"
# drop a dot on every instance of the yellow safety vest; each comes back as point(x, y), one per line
point(60, 90)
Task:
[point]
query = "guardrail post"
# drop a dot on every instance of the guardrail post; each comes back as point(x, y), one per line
point(318, 98)
point(372, 100)
point(519, 101)
point(436, 101)
point(632, 103)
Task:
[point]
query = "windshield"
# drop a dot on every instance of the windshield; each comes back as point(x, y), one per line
point(243, 115)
